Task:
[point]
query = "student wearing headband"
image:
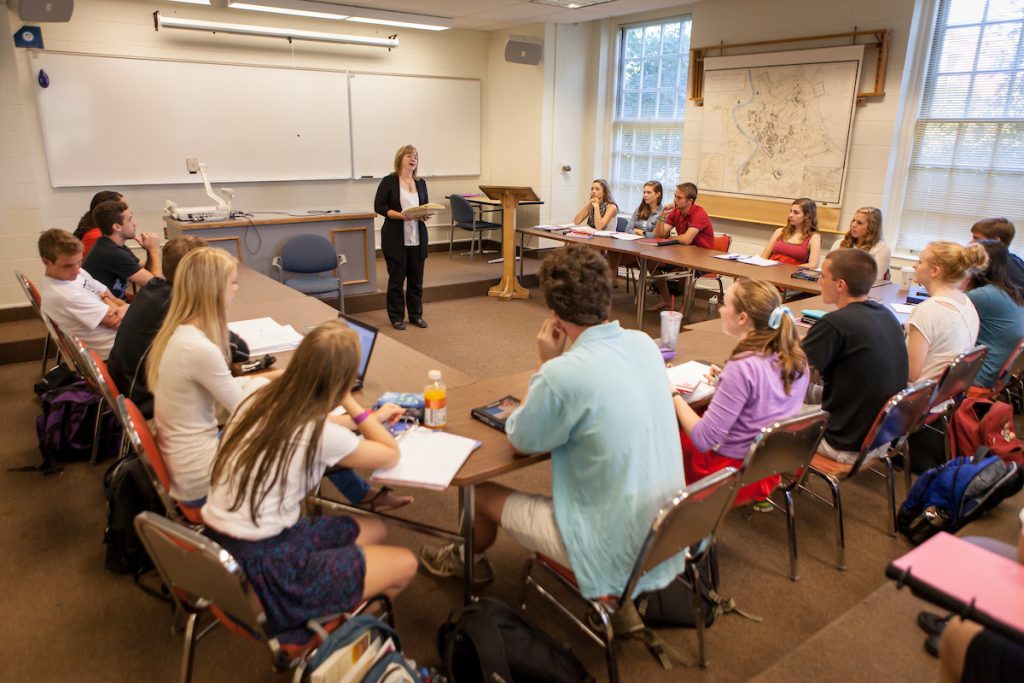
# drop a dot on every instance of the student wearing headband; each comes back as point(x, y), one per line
point(763, 381)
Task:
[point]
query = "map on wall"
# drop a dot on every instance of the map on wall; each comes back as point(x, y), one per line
point(777, 126)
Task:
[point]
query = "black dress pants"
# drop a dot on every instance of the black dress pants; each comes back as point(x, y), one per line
point(405, 274)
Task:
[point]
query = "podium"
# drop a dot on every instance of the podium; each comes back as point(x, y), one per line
point(509, 196)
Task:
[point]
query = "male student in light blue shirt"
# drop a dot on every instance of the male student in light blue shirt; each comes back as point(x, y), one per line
point(603, 408)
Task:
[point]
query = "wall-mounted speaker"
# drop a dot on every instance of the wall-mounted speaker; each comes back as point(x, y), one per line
point(44, 10)
point(523, 51)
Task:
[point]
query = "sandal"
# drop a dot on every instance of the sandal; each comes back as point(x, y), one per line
point(383, 499)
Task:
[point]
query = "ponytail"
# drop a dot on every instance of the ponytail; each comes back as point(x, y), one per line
point(774, 330)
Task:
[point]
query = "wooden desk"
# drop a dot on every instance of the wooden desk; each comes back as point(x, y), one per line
point(256, 241)
point(685, 256)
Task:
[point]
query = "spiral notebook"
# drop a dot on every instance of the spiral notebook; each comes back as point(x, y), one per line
point(429, 459)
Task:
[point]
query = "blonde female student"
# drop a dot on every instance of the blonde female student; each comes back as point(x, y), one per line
point(865, 233)
point(763, 381)
point(276, 447)
point(798, 241)
point(946, 323)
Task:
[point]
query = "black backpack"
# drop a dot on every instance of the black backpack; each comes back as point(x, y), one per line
point(948, 497)
point(129, 492)
point(486, 642)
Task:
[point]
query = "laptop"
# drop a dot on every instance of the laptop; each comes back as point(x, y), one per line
point(367, 338)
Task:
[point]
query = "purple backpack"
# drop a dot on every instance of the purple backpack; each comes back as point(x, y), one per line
point(65, 428)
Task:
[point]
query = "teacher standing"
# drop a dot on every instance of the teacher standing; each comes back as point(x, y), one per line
point(403, 240)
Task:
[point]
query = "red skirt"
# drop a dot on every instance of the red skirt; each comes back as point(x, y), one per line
point(699, 464)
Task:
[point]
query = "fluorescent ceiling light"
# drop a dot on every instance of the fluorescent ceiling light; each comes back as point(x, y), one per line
point(193, 2)
point(400, 24)
point(298, 8)
point(571, 4)
point(270, 31)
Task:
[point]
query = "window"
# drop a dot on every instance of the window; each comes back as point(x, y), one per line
point(650, 100)
point(968, 156)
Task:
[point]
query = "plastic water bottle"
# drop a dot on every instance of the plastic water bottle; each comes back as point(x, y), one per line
point(435, 399)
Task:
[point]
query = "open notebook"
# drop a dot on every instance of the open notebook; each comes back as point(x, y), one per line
point(429, 459)
point(689, 379)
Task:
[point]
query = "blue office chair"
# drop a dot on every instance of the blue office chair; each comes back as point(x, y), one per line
point(465, 217)
point(318, 265)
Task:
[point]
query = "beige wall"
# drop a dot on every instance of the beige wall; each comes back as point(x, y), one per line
point(535, 119)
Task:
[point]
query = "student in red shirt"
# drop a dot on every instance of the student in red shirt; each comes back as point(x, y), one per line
point(692, 226)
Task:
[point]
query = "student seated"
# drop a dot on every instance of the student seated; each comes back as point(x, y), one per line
point(110, 261)
point(859, 350)
point(188, 370)
point(1000, 308)
point(764, 381)
point(87, 230)
point(640, 223)
point(1003, 230)
point(276, 446)
point(602, 408)
point(80, 305)
point(945, 324)
point(691, 225)
point(798, 242)
point(600, 211)
point(866, 233)
point(645, 217)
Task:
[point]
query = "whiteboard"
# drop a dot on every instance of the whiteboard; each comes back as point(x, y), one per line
point(130, 121)
point(438, 116)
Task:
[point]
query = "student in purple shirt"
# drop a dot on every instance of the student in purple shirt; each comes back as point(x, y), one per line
point(763, 381)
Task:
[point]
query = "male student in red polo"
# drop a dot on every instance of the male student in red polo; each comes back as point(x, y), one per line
point(691, 225)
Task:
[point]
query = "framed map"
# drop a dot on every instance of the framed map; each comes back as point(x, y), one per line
point(777, 125)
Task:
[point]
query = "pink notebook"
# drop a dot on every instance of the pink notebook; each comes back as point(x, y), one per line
point(952, 573)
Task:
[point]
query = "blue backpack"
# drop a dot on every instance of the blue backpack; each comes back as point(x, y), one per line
point(947, 497)
point(390, 667)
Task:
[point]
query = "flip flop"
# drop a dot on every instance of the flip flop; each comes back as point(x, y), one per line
point(376, 504)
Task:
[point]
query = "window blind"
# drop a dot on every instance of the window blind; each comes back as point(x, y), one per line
point(968, 154)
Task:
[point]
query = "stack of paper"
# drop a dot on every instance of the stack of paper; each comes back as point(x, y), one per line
point(266, 335)
point(429, 459)
point(690, 379)
point(628, 236)
point(564, 226)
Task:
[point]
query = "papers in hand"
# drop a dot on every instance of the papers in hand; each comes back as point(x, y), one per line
point(689, 378)
point(429, 459)
point(749, 260)
point(266, 335)
point(422, 210)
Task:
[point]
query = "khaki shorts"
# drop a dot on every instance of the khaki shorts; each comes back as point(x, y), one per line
point(530, 519)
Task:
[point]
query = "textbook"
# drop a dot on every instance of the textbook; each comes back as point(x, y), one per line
point(496, 414)
point(812, 315)
point(423, 210)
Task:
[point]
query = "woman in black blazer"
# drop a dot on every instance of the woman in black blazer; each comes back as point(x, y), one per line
point(404, 242)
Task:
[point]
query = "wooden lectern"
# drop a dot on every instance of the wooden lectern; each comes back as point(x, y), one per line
point(509, 196)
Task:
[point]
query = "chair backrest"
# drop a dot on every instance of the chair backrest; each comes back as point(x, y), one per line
point(722, 242)
point(199, 571)
point(141, 439)
point(31, 292)
point(897, 419)
point(959, 375)
point(95, 372)
point(691, 516)
point(1011, 370)
point(785, 447)
point(620, 223)
point(309, 254)
point(462, 212)
point(66, 345)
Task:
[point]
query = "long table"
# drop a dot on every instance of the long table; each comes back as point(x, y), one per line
point(682, 255)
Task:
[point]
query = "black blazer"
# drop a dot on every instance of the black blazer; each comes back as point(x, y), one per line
point(392, 234)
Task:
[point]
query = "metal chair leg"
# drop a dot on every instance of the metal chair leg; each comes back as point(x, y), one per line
point(94, 457)
point(451, 240)
point(837, 502)
point(46, 352)
point(188, 654)
point(698, 612)
point(794, 572)
point(891, 477)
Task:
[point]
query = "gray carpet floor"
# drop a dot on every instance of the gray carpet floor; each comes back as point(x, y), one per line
point(65, 618)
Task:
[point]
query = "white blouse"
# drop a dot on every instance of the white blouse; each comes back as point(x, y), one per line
point(412, 228)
